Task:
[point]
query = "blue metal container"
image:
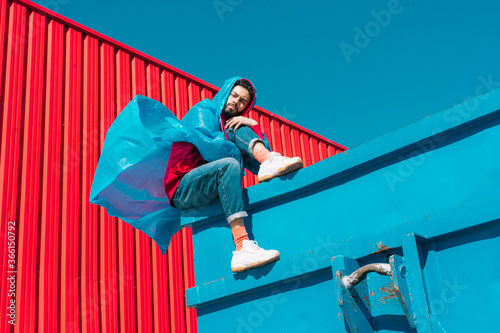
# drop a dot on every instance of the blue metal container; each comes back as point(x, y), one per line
point(422, 201)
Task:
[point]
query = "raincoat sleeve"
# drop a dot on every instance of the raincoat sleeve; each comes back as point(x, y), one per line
point(202, 124)
point(128, 180)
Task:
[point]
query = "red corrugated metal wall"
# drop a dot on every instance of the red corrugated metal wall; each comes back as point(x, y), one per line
point(74, 268)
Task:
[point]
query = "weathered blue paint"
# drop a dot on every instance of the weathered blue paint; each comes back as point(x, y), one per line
point(354, 303)
point(438, 178)
point(402, 284)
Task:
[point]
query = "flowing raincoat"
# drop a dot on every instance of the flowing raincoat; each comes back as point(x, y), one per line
point(128, 181)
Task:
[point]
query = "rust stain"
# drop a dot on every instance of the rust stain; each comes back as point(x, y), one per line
point(401, 298)
point(381, 248)
point(390, 290)
point(367, 301)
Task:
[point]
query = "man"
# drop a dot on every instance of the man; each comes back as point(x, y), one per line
point(191, 181)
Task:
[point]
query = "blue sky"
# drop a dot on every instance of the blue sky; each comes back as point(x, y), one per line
point(347, 70)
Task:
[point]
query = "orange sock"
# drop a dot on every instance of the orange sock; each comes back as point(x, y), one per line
point(239, 235)
point(261, 155)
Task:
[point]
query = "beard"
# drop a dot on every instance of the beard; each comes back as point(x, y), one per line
point(229, 113)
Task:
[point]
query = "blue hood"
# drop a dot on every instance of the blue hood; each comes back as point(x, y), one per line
point(220, 99)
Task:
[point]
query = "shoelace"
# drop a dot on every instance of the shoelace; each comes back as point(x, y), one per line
point(255, 246)
point(276, 157)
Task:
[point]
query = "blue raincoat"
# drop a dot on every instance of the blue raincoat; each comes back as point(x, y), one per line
point(128, 180)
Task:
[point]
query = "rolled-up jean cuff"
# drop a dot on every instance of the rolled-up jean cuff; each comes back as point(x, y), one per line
point(252, 144)
point(235, 216)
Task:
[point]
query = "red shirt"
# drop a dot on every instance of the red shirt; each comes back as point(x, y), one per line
point(185, 157)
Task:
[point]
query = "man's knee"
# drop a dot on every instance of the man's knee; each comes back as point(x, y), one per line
point(244, 129)
point(231, 165)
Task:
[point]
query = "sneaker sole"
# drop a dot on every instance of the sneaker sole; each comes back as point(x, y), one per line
point(257, 264)
point(284, 170)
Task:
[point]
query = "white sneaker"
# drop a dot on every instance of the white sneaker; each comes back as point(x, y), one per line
point(277, 165)
point(251, 255)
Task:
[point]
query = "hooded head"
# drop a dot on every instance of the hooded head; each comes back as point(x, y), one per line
point(235, 98)
point(239, 99)
point(224, 97)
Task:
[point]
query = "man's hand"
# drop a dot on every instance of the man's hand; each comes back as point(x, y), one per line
point(236, 122)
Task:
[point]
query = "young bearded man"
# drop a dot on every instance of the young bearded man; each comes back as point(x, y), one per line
point(193, 180)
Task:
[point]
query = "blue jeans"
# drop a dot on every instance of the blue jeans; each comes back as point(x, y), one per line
point(245, 139)
point(221, 178)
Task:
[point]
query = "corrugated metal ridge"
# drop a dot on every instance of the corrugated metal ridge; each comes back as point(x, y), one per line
point(160, 63)
point(299, 128)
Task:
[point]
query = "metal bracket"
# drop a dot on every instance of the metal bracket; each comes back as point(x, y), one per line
point(414, 296)
point(398, 278)
point(406, 277)
point(354, 302)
